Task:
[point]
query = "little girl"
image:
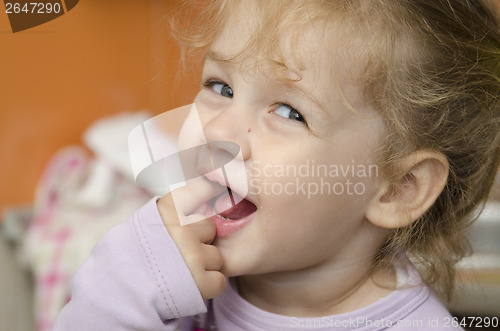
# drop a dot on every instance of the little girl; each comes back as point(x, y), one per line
point(369, 132)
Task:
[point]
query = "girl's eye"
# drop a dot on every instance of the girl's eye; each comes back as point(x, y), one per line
point(219, 87)
point(288, 112)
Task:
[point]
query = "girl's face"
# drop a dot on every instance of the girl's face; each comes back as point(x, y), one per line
point(309, 159)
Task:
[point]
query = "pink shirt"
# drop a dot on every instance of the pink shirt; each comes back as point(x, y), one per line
point(136, 279)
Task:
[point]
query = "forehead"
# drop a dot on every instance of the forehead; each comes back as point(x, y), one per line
point(262, 30)
point(282, 44)
point(236, 32)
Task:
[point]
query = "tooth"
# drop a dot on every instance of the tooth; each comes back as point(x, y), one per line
point(223, 217)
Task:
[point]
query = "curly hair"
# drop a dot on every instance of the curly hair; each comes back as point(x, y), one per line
point(431, 69)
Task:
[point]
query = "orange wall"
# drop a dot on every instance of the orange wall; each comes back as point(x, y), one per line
point(100, 58)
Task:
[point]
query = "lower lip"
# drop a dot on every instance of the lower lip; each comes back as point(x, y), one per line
point(226, 228)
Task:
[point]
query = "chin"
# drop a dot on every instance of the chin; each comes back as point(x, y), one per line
point(230, 270)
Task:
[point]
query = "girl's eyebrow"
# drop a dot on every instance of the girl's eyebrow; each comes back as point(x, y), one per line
point(216, 57)
point(294, 89)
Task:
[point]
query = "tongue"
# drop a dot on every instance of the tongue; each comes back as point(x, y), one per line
point(224, 206)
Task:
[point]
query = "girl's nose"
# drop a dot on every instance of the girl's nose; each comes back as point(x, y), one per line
point(230, 124)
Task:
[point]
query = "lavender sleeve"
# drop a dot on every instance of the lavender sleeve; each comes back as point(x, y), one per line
point(134, 279)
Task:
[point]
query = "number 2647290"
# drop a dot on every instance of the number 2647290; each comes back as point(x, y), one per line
point(32, 8)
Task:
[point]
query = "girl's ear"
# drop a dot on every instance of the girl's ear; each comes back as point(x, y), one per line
point(400, 203)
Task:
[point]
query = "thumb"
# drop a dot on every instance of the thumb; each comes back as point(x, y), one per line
point(193, 198)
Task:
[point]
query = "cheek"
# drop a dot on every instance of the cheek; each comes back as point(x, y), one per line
point(209, 104)
point(312, 191)
point(297, 230)
point(295, 233)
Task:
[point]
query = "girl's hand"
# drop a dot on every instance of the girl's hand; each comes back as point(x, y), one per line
point(194, 240)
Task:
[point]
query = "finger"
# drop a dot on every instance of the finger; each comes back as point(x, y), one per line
point(167, 210)
point(197, 191)
point(212, 284)
point(193, 198)
point(194, 218)
point(212, 257)
point(204, 230)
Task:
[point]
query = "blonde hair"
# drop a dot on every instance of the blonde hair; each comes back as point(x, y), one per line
point(430, 68)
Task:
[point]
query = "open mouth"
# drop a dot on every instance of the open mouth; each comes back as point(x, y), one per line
point(225, 207)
